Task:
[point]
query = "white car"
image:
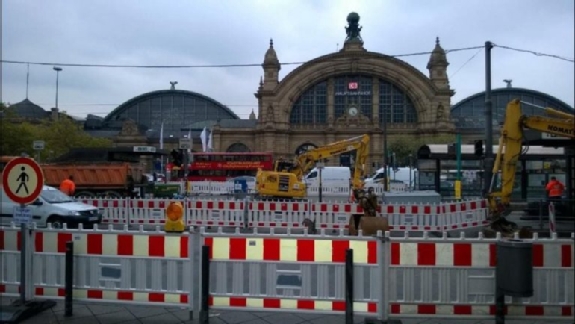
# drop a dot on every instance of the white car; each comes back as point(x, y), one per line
point(53, 207)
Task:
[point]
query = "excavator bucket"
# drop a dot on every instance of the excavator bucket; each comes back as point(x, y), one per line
point(368, 225)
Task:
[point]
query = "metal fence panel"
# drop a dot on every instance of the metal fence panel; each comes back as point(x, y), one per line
point(291, 272)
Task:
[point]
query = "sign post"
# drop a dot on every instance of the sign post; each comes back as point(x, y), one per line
point(22, 181)
point(38, 146)
point(185, 146)
point(320, 166)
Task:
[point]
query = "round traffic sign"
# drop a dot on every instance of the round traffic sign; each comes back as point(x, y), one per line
point(22, 180)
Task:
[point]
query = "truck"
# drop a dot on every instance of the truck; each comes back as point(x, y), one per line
point(101, 179)
point(98, 172)
point(510, 148)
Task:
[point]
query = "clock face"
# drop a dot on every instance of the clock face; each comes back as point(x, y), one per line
point(352, 111)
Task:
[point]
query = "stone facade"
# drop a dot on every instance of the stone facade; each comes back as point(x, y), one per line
point(430, 95)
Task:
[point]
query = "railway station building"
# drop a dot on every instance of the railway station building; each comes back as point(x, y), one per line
point(336, 96)
point(343, 94)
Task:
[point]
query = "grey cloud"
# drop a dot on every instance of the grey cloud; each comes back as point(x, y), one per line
point(192, 32)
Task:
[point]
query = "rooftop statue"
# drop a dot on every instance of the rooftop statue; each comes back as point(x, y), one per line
point(353, 30)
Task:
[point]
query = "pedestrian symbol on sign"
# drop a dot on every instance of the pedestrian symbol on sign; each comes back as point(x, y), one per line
point(23, 178)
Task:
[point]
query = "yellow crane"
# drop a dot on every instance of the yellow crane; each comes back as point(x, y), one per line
point(510, 147)
point(285, 181)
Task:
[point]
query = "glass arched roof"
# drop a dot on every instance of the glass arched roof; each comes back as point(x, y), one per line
point(178, 110)
point(469, 112)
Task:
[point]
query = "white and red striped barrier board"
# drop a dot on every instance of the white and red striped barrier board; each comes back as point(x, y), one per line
point(113, 244)
point(270, 304)
point(291, 249)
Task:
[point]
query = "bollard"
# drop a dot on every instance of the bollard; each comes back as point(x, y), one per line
point(23, 233)
point(205, 287)
point(69, 280)
point(349, 286)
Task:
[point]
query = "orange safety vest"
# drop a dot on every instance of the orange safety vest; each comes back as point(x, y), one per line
point(68, 187)
point(555, 188)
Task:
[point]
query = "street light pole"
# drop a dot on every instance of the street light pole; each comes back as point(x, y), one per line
point(385, 157)
point(58, 70)
point(489, 160)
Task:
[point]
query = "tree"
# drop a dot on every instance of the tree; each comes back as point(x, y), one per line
point(59, 136)
point(403, 146)
point(65, 134)
point(15, 138)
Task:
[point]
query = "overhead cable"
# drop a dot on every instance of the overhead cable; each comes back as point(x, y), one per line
point(201, 66)
point(535, 53)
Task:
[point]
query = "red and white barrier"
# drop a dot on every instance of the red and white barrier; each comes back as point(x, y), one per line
point(453, 216)
point(206, 212)
point(277, 214)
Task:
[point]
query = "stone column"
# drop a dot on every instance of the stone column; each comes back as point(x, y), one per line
point(375, 100)
point(330, 100)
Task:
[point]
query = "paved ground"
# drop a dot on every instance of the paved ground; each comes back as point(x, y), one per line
point(109, 314)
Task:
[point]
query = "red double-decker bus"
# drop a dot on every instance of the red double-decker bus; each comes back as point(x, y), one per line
point(221, 166)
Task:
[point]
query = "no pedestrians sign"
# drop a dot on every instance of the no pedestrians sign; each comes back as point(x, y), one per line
point(22, 180)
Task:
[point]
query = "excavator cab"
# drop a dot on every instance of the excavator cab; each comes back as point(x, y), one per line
point(283, 166)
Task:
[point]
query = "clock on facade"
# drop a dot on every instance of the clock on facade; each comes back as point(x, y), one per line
point(352, 111)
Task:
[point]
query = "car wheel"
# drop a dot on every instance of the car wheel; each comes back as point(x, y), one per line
point(56, 221)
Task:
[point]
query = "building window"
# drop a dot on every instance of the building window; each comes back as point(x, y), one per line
point(311, 107)
point(175, 110)
point(395, 104)
point(353, 90)
point(238, 147)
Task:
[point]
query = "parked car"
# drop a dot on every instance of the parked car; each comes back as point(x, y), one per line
point(53, 207)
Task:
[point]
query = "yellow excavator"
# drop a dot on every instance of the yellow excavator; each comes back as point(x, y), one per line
point(286, 180)
point(510, 148)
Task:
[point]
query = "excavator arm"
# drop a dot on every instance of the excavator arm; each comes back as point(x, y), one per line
point(306, 161)
point(510, 148)
point(285, 181)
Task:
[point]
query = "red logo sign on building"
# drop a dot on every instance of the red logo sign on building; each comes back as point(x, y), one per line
point(353, 86)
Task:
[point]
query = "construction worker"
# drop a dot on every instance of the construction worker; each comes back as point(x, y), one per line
point(68, 186)
point(372, 197)
point(554, 190)
point(369, 203)
point(363, 201)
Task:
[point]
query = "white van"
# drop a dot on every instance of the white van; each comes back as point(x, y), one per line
point(329, 175)
point(399, 176)
point(53, 207)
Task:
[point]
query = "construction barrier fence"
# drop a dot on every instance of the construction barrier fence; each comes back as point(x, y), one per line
point(335, 188)
point(400, 277)
point(452, 216)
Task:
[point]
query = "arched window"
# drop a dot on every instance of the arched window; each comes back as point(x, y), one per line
point(395, 104)
point(304, 148)
point(355, 91)
point(311, 106)
point(238, 147)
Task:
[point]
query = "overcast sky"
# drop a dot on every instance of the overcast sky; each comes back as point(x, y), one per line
point(193, 32)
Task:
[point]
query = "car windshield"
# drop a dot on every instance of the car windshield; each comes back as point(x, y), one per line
point(55, 196)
